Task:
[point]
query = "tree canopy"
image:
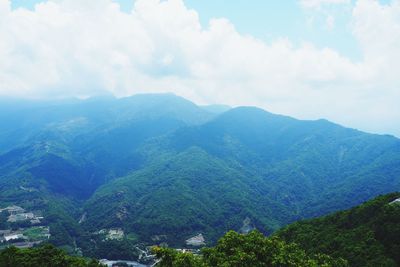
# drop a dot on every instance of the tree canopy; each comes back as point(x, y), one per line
point(43, 256)
point(253, 249)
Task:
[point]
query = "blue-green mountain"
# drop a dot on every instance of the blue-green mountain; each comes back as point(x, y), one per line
point(164, 169)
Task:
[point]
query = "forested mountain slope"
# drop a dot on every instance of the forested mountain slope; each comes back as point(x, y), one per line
point(161, 167)
point(366, 235)
point(246, 163)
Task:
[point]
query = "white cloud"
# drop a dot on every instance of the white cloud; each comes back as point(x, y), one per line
point(319, 3)
point(71, 48)
point(330, 22)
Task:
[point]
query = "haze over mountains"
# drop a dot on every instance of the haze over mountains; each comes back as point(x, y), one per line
point(160, 167)
point(183, 133)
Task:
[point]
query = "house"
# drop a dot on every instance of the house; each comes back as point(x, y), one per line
point(35, 221)
point(21, 217)
point(197, 240)
point(13, 209)
point(117, 234)
point(13, 236)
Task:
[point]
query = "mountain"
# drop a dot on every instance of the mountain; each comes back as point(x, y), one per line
point(308, 159)
point(54, 155)
point(162, 169)
point(216, 109)
point(75, 146)
point(246, 163)
point(24, 121)
point(180, 195)
point(366, 235)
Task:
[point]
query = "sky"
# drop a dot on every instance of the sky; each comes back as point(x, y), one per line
point(310, 59)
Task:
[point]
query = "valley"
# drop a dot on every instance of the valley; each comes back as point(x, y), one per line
point(109, 178)
point(188, 133)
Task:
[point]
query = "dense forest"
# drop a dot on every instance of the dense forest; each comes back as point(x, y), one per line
point(366, 236)
point(253, 249)
point(43, 256)
point(244, 163)
point(162, 169)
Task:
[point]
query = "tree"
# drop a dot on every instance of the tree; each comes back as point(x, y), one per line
point(253, 249)
point(43, 256)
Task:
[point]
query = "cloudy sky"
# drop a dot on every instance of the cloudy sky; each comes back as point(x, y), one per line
point(334, 59)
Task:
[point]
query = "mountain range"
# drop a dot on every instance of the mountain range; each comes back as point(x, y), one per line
point(164, 169)
point(367, 235)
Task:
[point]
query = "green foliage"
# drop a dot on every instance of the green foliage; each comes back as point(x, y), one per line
point(245, 163)
point(160, 165)
point(191, 193)
point(63, 227)
point(171, 258)
point(43, 256)
point(3, 220)
point(115, 250)
point(367, 235)
point(34, 233)
point(252, 249)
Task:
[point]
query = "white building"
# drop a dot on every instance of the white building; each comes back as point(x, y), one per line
point(13, 236)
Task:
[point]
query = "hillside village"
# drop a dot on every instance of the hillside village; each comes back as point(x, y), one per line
point(22, 228)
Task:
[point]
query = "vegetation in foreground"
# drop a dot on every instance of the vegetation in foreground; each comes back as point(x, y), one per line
point(253, 249)
point(366, 236)
point(43, 256)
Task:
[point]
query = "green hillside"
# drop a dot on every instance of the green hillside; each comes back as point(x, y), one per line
point(180, 195)
point(367, 235)
point(159, 168)
point(245, 163)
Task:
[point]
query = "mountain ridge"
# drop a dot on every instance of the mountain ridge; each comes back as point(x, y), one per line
point(240, 163)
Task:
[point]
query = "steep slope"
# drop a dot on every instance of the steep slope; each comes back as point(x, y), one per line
point(53, 155)
point(77, 145)
point(273, 169)
point(366, 235)
point(24, 121)
point(180, 195)
point(307, 159)
point(158, 165)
